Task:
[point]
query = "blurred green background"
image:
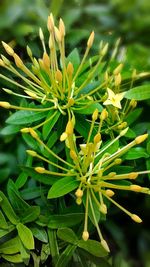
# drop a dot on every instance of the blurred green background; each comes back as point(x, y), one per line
point(130, 20)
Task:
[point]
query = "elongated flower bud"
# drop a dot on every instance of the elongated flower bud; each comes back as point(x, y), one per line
point(4, 104)
point(133, 175)
point(117, 79)
point(31, 153)
point(95, 115)
point(18, 61)
point(103, 208)
point(135, 188)
point(79, 193)
point(25, 130)
point(104, 50)
point(97, 138)
point(136, 218)
point(69, 127)
point(91, 39)
point(105, 245)
point(57, 35)
point(8, 49)
point(85, 235)
point(141, 138)
point(33, 133)
point(63, 136)
point(40, 169)
point(104, 114)
point(118, 69)
point(70, 69)
point(109, 192)
point(62, 28)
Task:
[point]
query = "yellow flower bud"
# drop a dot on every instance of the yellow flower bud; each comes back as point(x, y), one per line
point(133, 175)
point(70, 69)
point(133, 103)
point(58, 76)
point(40, 169)
point(109, 192)
point(118, 69)
point(117, 79)
point(32, 94)
point(105, 245)
point(57, 35)
point(91, 39)
point(4, 104)
point(78, 200)
point(29, 51)
point(135, 188)
point(103, 208)
point(118, 161)
point(46, 60)
point(8, 49)
point(123, 132)
point(50, 22)
point(63, 136)
point(18, 61)
point(111, 174)
point(2, 64)
point(79, 193)
point(62, 28)
point(85, 235)
point(33, 133)
point(24, 130)
point(31, 153)
point(69, 127)
point(141, 138)
point(97, 138)
point(71, 102)
point(104, 114)
point(136, 218)
point(73, 154)
point(95, 115)
point(104, 50)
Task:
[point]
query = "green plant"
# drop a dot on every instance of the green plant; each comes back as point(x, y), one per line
point(76, 118)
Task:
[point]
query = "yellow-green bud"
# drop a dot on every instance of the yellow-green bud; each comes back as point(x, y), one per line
point(123, 132)
point(8, 49)
point(73, 154)
point(2, 64)
point(133, 175)
point(69, 127)
point(117, 79)
point(62, 28)
point(78, 200)
point(104, 114)
point(111, 174)
point(18, 61)
point(141, 138)
point(31, 153)
point(79, 193)
point(136, 218)
point(46, 60)
point(135, 188)
point(31, 94)
point(71, 102)
point(29, 51)
point(70, 69)
point(118, 161)
point(118, 69)
point(103, 208)
point(24, 130)
point(63, 136)
point(95, 115)
point(4, 104)
point(109, 192)
point(85, 235)
point(104, 50)
point(105, 245)
point(33, 133)
point(57, 35)
point(40, 169)
point(97, 138)
point(91, 39)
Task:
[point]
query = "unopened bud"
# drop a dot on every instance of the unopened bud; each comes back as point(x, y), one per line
point(58, 76)
point(46, 60)
point(141, 138)
point(104, 114)
point(123, 132)
point(57, 35)
point(2, 64)
point(5, 60)
point(78, 200)
point(105, 245)
point(111, 174)
point(133, 103)
point(8, 49)
point(109, 192)
point(62, 28)
point(41, 34)
point(103, 208)
point(18, 61)
point(63, 136)
point(97, 138)
point(4, 104)
point(29, 51)
point(71, 102)
point(79, 193)
point(85, 235)
point(69, 127)
point(134, 74)
point(31, 94)
point(106, 76)
point(31, 153)
point(24, 130)
point(50, 22)
point(133, 175)
point(33, 133)
point(95, 115)
point(103, 51)
point(135, 188)
point(117, 79)
point(118, 161)
point(118, 69)
point(73, 154)
point(40, 169)
point(91, 39)
point(136, 218)
point(70, 69)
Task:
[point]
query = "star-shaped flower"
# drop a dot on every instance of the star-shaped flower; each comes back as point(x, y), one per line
point(114, 99)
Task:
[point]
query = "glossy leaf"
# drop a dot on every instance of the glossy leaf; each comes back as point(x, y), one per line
point(26, 236)
point(52, 119)
point(139, 93)
point(62, 187)
point(39, 233)
point(13, 258)
point(23, 117)
point(8, 210)
point(10, 247)
point(67, 235)
point(94, 247)
point(65, 220)
point(31, 214)
point(65, 257)
point(136, 153)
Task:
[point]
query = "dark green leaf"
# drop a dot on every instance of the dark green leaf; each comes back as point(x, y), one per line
point(136, 153)
point(3, 223)
point(31, 214)
point(67, 235)
point(39, 233)
point(10, 129)
point(65, 220)
point(65, 257)
point(94, 247)
point(139, 93)
point(51, 118)
point(88, 108)
point(133, 116)
point(8, 210)
point(23, 117)
point(62, 187)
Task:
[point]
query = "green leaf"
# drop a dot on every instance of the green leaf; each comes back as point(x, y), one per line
point(33, 192)
point(65, 220)
point(10, 129)
point(94, 247)
point(87, 109)
point(136, 153)
point(8, 210)
point(45, 252)
point(133, 116)
point(12, 258)
point(31, 214)
point(139, 93)
point(23, 117)
point(51, 118)
point(42, 178)
point(17, 202)
point(3, 223)
point(39, 233)
point(65, 257)
point(10, 247)
point(74, 58)
point(25, 235)
point(62, 187)
point(67, 235)
point(25, 254)
point(83, 127)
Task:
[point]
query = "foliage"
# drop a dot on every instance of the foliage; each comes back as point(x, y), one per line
point(77, 118)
